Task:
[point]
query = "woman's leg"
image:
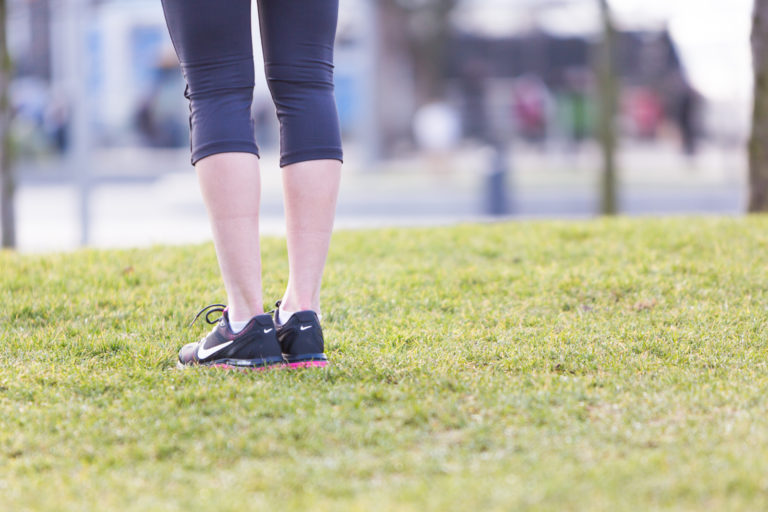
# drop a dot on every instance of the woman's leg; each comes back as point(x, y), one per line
point(213, 42)
point(297, 39)
point(231, 187)
point(310, 190)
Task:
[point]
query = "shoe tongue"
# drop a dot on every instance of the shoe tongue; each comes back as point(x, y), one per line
point(263, 320)
point(304, 316)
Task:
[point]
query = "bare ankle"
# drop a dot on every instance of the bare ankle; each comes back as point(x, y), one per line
point(242, 313)
point(289, 304)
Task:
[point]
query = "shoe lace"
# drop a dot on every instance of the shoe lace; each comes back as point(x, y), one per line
point(209, 310)
point(276, 312)
point(277, 308)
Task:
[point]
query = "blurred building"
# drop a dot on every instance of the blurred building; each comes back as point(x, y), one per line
point(125, 57)
point(541, 85)
point(511, 68)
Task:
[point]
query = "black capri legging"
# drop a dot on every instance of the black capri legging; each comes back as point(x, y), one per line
point(212, 39)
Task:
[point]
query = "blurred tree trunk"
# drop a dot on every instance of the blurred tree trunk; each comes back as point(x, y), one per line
point(758, 144)
point(412, 41)
point(7, 185)
point(427, 28)
point(394, 95)
point(430, 43)
point(608, 90)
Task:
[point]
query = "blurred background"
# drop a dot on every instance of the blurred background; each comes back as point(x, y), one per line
point(452, 110)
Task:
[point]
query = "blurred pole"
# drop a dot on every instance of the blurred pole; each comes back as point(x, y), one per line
point(70, 72)
point(497, 199)
point(758, 144)
point(608, 93)
point(371, 55)
point(7, 182)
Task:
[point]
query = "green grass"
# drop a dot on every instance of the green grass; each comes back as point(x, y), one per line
point(603, 365)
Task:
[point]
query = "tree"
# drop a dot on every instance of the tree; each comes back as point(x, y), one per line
point(608, 92)
point(410, 63)
point(426, 27)
point(7, 185)
point(758, 144)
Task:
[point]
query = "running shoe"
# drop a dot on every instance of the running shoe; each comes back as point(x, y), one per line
point(254, 347)
point(301, 339)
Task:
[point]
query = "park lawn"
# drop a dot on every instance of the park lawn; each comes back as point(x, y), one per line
point(594, 365)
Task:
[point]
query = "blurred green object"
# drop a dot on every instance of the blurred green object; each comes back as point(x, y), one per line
point(575, 114)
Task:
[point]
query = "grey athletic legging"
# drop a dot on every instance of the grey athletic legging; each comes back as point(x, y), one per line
point(212, 39)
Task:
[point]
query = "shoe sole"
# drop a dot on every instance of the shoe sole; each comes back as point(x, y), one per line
point(236, 364)
point(306, 361)
point(277, 366)
point(245, 364)
point(224, 366)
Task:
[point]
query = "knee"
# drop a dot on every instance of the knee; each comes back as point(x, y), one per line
point(222, 123)
point(220, 96)
point(217, 78)
point(306, 108)
point(295, 82)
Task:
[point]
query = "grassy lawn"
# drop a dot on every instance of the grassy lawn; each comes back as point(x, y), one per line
point(602, 365)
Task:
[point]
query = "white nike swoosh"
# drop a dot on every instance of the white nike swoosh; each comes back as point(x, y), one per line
point(203, 352)
point(267, 331)
point(305, 327)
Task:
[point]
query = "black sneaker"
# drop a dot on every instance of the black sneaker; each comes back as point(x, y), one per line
point(254, 347)
point(301, 339)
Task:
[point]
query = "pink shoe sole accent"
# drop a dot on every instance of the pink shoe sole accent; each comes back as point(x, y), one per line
point(309, 364)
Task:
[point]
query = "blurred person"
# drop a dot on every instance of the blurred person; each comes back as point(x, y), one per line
point(645, 111)
point(29, 97)
point(687, 119)
point(213, 42)
point(262, 113)
point(685, 104)
point(474, 115)
point(575, 105)
point(157, 116)
point(56, 121)
point(531, 104)
point(437, 130)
